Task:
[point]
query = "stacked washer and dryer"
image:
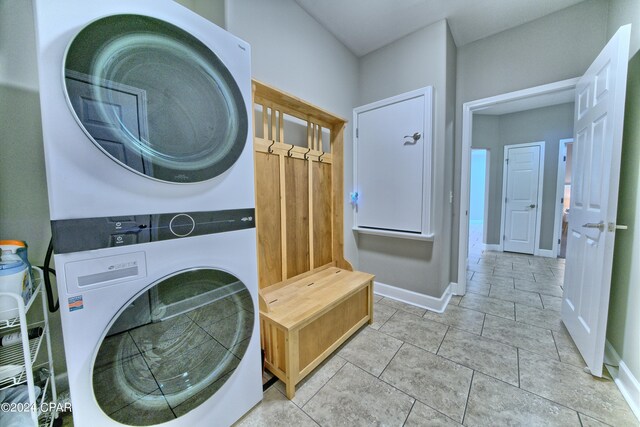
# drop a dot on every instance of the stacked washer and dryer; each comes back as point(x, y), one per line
point(146, 127)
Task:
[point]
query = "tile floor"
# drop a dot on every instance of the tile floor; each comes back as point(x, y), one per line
point(498, 356)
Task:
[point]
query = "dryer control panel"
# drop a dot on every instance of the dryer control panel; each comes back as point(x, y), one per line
point(77, 235)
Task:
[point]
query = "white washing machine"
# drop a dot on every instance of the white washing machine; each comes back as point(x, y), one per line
point(145, 109)
point(164, 332)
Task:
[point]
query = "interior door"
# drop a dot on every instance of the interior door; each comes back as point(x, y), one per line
point(599, 117)
point(522, 171)
point(391, 166)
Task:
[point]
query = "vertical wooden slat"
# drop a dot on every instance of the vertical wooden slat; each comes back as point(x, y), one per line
point(268, 225)
point(281, 125)
point(312, 215)
point(265, 121)
point(321, 218)
point(309, 135)
point(283, 216)
point(293, 362)
point(297, 210)
point(273, 119)
point(337, 174)
point(319, 147)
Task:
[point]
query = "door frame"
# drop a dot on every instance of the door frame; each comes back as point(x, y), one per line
point(541, 144)
point(468, 108)
point(562, 170)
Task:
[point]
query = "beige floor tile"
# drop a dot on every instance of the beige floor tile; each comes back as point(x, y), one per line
point(431, 379)
point(520, 335)
point(551, 302)
point(492, 279)
point(547, 319)
point(487, 305)
point(514, 274)
point(495, 403)
point(424, 416)
point(377, 298)
point(415, 330)
point(275, 409)
point(516, 295)
point(591, 422)
point(399, 305)
point(459, 317)
point(381, 313)
point(567, 349)
point(572, 387)
point(370, 350)
point(481, 354)
point(479, 288)
point(455, 299)
point(354, 397)
point(309, 386)
point(546, 288)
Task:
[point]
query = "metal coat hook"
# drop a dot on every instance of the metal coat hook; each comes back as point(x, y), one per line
point(320, 157)
point(289, 152)
point(271, 149)
point(306, 155)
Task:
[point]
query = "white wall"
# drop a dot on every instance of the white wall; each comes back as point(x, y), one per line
point(417, 60)
point(478, 186)
point(292, 52)
point(553, 48)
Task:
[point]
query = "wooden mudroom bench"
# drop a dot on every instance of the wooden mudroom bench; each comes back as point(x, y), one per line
point(310, 299)
point(307, 318)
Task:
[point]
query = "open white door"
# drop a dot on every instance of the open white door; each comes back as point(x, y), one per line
point(599, 117)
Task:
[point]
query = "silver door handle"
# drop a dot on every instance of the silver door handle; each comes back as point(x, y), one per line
point(599, 225)
point(532, 206)
point(614, 227)
point(416, 136)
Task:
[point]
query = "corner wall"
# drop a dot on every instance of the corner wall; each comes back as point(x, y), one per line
point(426, 57)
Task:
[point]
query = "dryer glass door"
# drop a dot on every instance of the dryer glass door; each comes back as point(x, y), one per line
point(155, 99)
point(173, 347)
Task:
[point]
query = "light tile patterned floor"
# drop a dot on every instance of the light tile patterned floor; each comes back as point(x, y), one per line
point(497, 356)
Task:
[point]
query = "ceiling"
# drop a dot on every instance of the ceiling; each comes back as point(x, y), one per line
point(366, 25)
point(529, 103)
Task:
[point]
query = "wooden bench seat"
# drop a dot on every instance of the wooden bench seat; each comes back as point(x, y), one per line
point(304, 319)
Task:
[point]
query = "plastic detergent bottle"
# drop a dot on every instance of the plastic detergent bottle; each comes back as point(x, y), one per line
point(15, 275)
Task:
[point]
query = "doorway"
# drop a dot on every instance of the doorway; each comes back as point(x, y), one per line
point(479, 203)
point(563, 196)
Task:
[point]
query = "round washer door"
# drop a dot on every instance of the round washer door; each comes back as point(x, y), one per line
point(173, 347)
point(155, 99)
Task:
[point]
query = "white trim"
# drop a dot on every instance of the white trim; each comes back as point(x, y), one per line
point(393, 233)
point(628, 384)
point(562, 169)
point(536, 240)
point(467, 125)
point(547, 253)
point(430, 303)
point(427, 171)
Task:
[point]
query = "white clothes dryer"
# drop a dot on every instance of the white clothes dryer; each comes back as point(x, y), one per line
point(145, 109)
point(164, 332)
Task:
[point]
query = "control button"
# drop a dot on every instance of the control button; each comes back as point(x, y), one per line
point(123, 239)
point(182, 225)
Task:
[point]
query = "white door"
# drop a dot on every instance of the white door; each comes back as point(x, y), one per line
point(522, 188)
point(392, 162)
point(599, 118)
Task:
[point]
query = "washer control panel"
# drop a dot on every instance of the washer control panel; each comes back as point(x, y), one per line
point(76, 235)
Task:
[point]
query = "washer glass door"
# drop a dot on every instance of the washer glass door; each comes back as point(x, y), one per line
point(173, 347)
point(155, 99)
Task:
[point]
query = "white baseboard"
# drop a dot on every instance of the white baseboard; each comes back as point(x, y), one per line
point(628, 384)
point(491, 247)
point(548, 253)
point(420, 300)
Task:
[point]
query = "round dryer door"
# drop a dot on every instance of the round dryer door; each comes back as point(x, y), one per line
point(155, 99)
point(173, 347)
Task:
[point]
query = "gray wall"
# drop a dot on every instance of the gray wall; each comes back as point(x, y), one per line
point(414, 265)
point(549, 49)
point(624, 316)
point(549, 124)
point(292, 52)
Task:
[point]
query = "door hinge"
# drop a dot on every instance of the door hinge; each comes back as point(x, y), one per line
point(504, 237)
point(561, 199)
point(564, 159)
point(558, 241)
point(506, 160)
point(505, 200)
point(356, 132)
